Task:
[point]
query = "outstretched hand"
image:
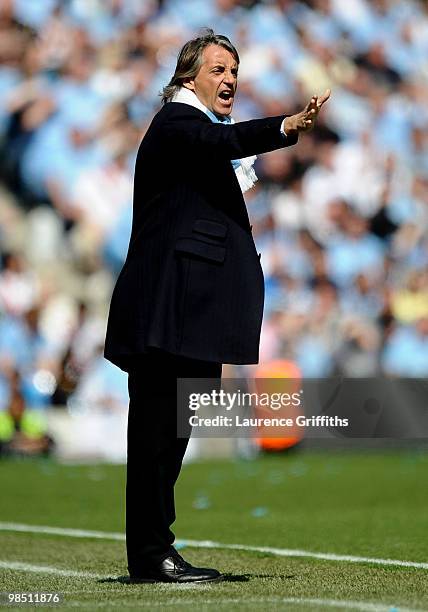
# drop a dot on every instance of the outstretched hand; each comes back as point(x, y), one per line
point(305, 120)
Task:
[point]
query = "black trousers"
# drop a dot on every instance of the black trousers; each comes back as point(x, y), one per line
point(155, 452)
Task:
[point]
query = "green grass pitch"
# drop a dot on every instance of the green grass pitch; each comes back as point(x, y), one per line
point(362, 504)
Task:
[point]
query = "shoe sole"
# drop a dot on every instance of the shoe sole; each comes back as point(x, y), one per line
point(155, 580)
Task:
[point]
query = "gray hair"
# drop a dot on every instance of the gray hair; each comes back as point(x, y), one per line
point(190, 60)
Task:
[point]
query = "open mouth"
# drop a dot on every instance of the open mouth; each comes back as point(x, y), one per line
point(226, 96)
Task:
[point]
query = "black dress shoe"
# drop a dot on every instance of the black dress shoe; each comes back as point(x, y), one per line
point(175, 569)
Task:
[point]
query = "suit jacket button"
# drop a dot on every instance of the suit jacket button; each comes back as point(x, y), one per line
point(260, 255)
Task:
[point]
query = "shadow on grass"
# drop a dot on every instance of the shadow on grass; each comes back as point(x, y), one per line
point(248, 577)
point(117, 580)
point(225, 578)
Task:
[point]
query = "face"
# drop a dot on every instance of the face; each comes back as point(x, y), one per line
point(215, 84)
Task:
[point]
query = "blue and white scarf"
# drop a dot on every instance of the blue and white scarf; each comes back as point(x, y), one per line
point(243, 167)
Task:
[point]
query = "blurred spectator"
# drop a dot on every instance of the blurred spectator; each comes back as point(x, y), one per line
point(354, 251)
point(81, 347)
point(18, 285)
point(23, 432)
point(25, 349)
point(406, 350)
point(103, 388)
point(116, 241)
point(98, 198)
point(410, 303)
point(360, 347)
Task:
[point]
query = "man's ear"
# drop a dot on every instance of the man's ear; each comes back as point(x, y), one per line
point(189, 84)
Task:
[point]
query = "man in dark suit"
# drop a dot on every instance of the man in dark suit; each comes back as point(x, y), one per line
point(190, 294)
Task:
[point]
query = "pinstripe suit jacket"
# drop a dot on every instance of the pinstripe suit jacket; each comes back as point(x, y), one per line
point(192, 282)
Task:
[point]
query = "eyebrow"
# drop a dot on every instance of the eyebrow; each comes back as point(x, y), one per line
point(219, 65)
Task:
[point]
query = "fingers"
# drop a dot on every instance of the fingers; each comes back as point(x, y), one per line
point(324, 97)
point(317, 101)
point(309, 116)
point(306, 119)
point(307, 122)
point(312, 103)
point(312, 109)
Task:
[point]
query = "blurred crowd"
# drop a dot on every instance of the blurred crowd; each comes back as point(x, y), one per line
point(341, 219)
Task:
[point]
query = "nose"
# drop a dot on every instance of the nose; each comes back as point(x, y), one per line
point(229, 78)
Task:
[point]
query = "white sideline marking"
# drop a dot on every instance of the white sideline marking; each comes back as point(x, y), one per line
point(280, 552)
point(61, 531)
point(46, 569)
point(286, 552)
point(365, 606)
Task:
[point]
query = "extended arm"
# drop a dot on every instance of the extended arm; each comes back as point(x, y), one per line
point(189, 127)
